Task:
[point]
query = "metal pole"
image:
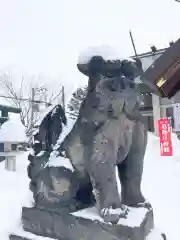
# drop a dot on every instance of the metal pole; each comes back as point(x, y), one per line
point(156, 113)
point(63, 97)
point(133, 43)
point(45, 100)
point(32, 111)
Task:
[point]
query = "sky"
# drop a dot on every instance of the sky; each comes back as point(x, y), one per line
point(46, 36)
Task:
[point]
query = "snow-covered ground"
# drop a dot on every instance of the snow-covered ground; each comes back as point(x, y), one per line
point(14, 193)
point(161, 181)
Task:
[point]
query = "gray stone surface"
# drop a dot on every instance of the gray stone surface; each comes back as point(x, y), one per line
point(70, 227)
point(14, 237)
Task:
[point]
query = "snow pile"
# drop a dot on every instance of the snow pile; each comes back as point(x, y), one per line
point(58, 161)
point(161, 181)
point(13, 130)
point(105, 51)
point(14, 189)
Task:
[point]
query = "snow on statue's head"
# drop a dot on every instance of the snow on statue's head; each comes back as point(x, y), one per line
point(107, 61)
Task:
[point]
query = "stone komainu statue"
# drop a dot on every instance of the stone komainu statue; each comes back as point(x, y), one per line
point(108, 133)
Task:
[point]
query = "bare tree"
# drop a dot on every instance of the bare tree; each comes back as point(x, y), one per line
point(28, 96)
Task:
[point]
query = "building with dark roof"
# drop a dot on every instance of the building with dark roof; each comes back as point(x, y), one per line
point(152, 106)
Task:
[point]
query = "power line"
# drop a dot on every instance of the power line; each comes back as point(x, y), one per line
point(37, 101)
point(24, 99)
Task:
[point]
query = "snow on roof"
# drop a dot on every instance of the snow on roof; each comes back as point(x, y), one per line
point(105, 51)
point(13, 130)
point(3, 101)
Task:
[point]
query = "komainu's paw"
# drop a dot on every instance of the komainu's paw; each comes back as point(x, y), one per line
point(145, 205)
point(113, 215)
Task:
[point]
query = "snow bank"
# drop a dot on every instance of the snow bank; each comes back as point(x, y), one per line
point(155, 235)
point(161, 181)
point(13, 130)
point(105, 51)
point(15, 193)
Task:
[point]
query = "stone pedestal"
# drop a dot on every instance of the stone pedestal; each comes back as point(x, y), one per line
point(85, 224)
point(14, 237)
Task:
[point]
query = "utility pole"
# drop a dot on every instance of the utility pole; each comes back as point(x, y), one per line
point(43, 94)
point(63, 97)
point(133, 43)
point(32, 111)
point(45, 100)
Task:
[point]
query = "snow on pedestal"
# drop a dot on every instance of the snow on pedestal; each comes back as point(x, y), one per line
point(75, 227)
point(134, 217)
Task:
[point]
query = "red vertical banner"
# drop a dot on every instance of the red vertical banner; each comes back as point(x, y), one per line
point(165, 137)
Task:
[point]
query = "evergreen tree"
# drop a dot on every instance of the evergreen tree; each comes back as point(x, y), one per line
point(75, 102)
